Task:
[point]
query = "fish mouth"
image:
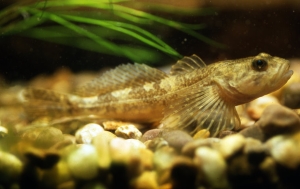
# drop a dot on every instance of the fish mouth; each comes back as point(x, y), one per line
point(286, 75)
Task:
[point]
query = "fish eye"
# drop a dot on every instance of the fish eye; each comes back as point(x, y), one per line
point(260, 65)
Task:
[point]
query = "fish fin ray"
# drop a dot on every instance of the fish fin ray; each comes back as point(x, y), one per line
point(127, 75)
point(187, 64)
point(205, 111)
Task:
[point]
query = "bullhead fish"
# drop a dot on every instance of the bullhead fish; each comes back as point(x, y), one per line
point(192, 97)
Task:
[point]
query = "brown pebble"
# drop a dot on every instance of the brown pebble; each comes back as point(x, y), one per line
point(255, 151)
point(277, 119)
point(151, 134)
point(190, 148)
point(176, 138)
point(254, 131)
point(291, 96)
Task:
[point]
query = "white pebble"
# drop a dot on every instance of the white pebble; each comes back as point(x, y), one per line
point(85, 134)
point(83, 162)
point(285, 149)
point(230, 145)
point(128, 131)
point(213, 166)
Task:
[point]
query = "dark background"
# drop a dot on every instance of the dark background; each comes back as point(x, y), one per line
point(245, 28)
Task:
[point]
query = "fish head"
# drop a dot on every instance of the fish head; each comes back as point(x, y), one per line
point(249, 78)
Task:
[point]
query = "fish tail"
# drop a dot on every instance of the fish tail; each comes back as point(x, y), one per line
point(41, 102)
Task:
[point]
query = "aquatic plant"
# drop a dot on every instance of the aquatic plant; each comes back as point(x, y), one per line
point(113, 27)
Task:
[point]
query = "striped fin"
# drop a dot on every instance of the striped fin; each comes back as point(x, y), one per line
point(123, 76)
point(194, 110)
point(187, 64)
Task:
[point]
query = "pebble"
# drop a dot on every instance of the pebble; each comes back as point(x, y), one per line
point(57, 175)
point(245, 119)
point(146, 180)
point(44, 159)
point(278, 119)
point(176, 138)
point(132, 154)
point(256, 107)
point(102, 145)
point(183, 173)
point(255, 150)
point(203, 133)
point(85, 134)
point(156, 143)
point(10, 168)
point(285, 149)
point(3, 131)
point(212, 165)
point(122, 150)
point(190, 148)
point(230, 145)
point(128, 131)
point(83, 162)
point(151, 134)
point(254, 132)
point(114, 125)
point(68, 140)
point(162, 161)
point(42, 137)
point(291, 96)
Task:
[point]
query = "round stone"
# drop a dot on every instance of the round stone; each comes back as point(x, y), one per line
point(128, 131)
point(277, 119)
point(213, 166)
point(85, 134)
point(176, 138)
point(83, 162)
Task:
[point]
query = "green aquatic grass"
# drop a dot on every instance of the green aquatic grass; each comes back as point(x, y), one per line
point(105, 26)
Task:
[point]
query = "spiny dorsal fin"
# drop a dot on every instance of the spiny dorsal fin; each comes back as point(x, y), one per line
point(194, 110)
point(187, 64)
point(123, 76)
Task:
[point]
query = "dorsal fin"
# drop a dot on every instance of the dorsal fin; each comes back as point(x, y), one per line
point(187, 64)
point(123, 76)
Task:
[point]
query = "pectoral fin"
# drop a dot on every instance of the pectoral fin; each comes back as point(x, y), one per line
point(193, 111)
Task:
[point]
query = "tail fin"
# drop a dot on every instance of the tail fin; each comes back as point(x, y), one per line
point(41, 102)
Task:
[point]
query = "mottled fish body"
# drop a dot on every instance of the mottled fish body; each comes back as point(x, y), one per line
point(192, 97)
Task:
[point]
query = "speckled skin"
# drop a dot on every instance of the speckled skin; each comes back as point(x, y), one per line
point(190, 92)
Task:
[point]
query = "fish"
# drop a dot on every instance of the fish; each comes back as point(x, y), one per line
point(192, 97)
